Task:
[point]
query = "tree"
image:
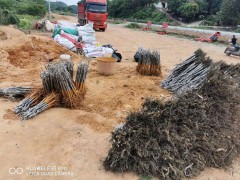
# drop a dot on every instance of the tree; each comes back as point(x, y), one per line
point(173, 6)
point(230, 12)
point(212, 6)
point(189, 10)
point(124, 8)
point(7, 17)
point(4, 4)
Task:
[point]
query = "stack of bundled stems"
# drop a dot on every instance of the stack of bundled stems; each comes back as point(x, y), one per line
point(56, 78)
point(67, 87)
point(149, 62)
point(15, 92)
point(69, 66)
point(189, 74)
point(31, 100)
point(58, 88)
point(81, 77)
point(51, 100)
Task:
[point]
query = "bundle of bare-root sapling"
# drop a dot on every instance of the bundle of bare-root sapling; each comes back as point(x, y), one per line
point(81, 78)
point(51, 100)
point(189, 74)
point(15, 92)
point(32, 99)
point(69, 66)
point(149, 62)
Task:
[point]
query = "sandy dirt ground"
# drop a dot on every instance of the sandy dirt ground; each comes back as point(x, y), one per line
point(73, 143)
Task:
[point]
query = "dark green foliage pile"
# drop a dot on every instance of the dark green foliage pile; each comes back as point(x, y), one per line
point(182, 137)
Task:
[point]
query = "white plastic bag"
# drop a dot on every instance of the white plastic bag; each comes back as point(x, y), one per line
point(70, 35)
point(88, 38)
point(86, 28)
point(66, 24)
point(49, 26)
point(92, 49)
point(107, 50)
point(64, 42)
point(95, 54)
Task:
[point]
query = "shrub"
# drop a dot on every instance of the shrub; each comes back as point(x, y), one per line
point(34, 10)
point(134, 26)
point(7, 17)
point(25, 24)
point(189, 10)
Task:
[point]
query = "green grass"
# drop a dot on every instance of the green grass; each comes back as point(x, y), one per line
point(202, 27)
point(27, 21)
point(237, 30)
point(182, 36)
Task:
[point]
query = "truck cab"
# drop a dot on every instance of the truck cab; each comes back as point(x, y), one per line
point(94, 11)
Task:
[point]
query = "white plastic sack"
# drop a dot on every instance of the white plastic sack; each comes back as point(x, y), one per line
point(92, 49)
point(95, 54)
point(107, 50)
point(49, 26)
point(88, 38)
point(90, 44)
point(66, 24)
point(82, 33)
point(64, 42)
point(70, 35)
point(86, 28)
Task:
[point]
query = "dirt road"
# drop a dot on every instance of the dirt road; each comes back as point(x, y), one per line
point(73, 143)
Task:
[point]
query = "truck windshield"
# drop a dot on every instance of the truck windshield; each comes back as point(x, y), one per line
point(97, 8)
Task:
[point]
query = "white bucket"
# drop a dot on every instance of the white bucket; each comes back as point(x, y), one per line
point(65, 57)
point(106, 65)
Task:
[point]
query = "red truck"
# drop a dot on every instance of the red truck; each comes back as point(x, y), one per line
point(94, 11)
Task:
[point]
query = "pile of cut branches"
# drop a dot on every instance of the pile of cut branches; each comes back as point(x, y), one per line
point(180, 138)
point(149, 62)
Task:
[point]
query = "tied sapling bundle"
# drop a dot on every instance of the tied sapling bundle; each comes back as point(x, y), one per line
point(190, 74)
point(81, 77)
point(67, 87)
point(69, 66)
point(31, 100)
point(56, 78)
point(15, 92)
point(58, 89)
point(48, 102)
point(149, 62)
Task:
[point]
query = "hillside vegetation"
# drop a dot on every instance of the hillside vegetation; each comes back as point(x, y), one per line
point(140, 9)
point(62, 8)
point(21, 12)
point(213, 12)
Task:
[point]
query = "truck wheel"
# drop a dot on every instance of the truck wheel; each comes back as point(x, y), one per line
point(228, 54)
point(102, 29)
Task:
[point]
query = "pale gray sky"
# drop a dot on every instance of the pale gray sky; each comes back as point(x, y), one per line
point(68, 2)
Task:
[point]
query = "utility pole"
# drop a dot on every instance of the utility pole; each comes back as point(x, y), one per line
point(49, 10)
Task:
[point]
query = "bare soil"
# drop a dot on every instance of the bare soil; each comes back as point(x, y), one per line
point(79, 139)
